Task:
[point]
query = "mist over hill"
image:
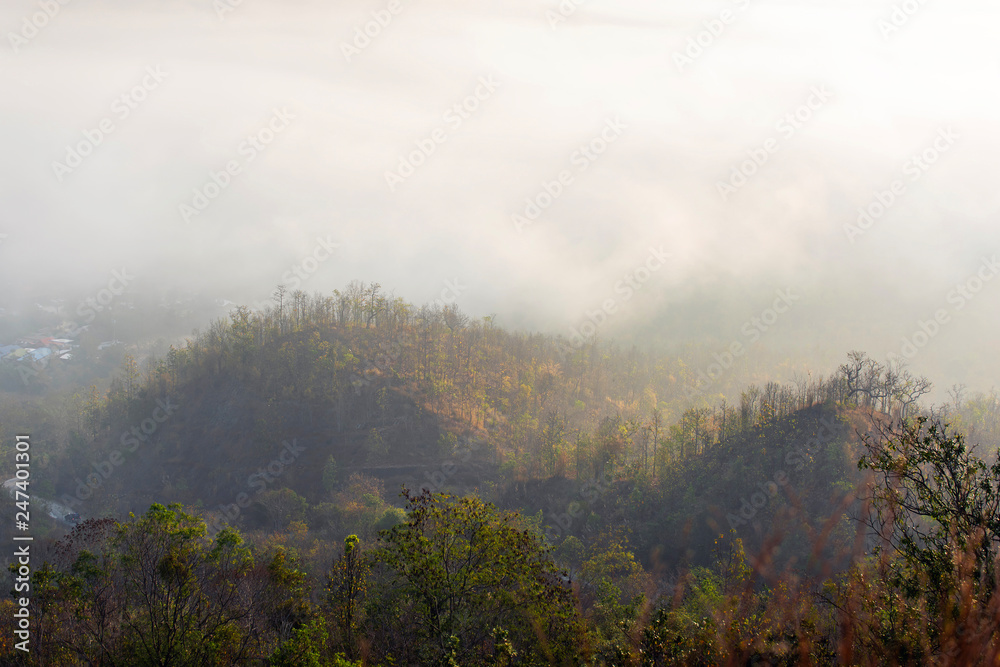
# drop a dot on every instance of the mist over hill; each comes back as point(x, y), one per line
point(534, 332)
point(806, 147)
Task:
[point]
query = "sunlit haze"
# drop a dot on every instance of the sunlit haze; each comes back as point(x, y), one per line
point(883, 87)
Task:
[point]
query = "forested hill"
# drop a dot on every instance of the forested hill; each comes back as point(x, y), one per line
point(654, 513)
point(268, 417)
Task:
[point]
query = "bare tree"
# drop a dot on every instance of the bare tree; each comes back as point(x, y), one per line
point(299, 307)
point(910, 391)
point(279, 297)
point(373, 303)
point(957, 395)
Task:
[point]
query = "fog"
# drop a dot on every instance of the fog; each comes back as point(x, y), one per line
point(830, 102)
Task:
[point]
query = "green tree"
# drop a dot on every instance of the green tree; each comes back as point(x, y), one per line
point(282, 506)
point(376, 447)
point(459, 569)
point(242, 332)
point(331, 474)
point(155, 591)
point(347, 586)
point(130, 376)
point(611, 445)
point(612, 593)
point(937, 505)
point(553, 441)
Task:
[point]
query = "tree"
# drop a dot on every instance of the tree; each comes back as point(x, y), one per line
point(130, 376)
point(155, 591)
point(374, 301)
point(909, 391)
point(655, 424)
point(854, 373)
point(347, 586)
point(282, 506)
point(612, 586)
point(612, 438)
point(298, 307)
point(331, 474)
point(552, 442)
point(376, 447)
point(937, 505)
point(459, 568)
point(242, 333)
point(279, 297)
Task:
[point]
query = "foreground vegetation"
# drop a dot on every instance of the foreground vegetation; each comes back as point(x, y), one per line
point(460, 582)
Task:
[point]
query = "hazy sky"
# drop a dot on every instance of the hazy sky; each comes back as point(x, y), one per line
point(676, 118)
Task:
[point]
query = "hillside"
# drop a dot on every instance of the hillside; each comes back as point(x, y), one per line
point(304, 397)
point(649, 517)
